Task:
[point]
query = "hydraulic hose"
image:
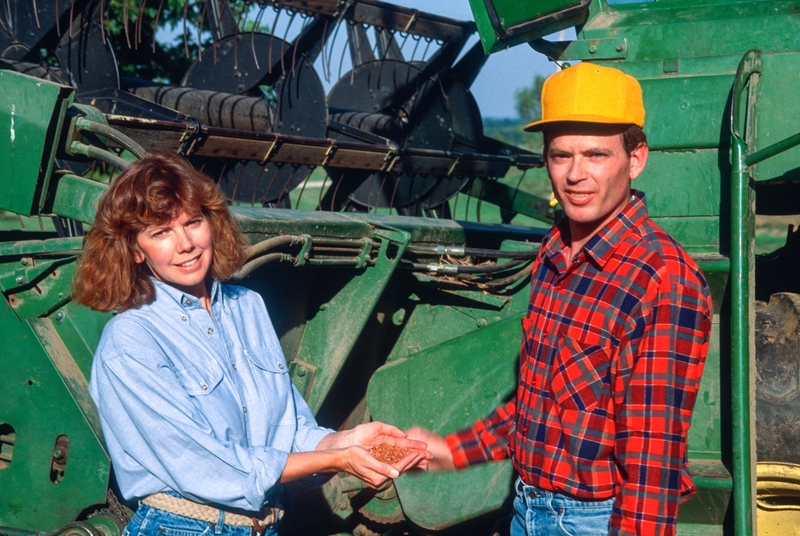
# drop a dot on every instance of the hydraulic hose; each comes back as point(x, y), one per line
point(102, 155)
point(126, 142)
point(461, 251)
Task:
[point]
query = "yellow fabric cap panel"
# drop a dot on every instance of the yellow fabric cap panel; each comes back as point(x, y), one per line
point(590, 93)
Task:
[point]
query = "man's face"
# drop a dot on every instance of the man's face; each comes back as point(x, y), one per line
point(591, 173)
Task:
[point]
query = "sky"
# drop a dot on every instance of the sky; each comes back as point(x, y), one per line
point(504, 72)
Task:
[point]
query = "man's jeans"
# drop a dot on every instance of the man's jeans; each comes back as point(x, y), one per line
point(543, 513)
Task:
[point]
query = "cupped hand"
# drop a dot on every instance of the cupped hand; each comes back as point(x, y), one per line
point(360, 463)
point(372, 434)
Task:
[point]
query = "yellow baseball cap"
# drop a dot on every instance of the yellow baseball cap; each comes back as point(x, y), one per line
point(589, 93)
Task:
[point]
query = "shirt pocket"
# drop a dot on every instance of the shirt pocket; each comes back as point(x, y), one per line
point(200, 380)
point(267, 359)
point(579, 374)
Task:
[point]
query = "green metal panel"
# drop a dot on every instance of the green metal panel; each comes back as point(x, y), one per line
point(31, 115)
point(778, 91)
point(688, 29)
point(38, 404)
point(445, 388)
point(503, 23)
point(685, 112)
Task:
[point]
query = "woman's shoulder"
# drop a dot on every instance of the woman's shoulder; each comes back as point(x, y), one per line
point(127, 332)
point(241, 296)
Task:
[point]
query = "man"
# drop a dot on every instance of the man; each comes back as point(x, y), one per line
point(614, 340)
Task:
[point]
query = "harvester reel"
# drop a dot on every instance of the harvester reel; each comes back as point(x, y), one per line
point(297, 107)
point(365, 99)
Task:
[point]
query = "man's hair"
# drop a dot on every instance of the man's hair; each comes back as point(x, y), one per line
point(152, 191)
point(632, 137)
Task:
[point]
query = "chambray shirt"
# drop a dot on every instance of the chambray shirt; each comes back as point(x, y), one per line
point(198, 405)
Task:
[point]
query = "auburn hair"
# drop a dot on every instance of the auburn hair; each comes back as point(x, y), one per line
point(152, 191)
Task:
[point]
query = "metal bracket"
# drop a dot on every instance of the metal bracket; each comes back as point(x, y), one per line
point(590, 49)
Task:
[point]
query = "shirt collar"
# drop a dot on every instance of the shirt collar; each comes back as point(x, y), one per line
point(188, 300)
point(600, 246)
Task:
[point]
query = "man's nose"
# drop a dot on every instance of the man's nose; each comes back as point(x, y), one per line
point(576, 170)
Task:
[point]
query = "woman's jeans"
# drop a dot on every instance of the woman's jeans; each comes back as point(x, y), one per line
point(543, 513)
point(149, 521)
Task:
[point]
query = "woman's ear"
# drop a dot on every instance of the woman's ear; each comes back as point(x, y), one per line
point(138, 256)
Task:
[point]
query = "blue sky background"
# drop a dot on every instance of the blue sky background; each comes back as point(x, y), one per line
point(504, 72)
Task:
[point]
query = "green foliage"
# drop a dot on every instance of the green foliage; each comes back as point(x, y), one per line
point(529, 100)
point(510, 131)
point(159, 40)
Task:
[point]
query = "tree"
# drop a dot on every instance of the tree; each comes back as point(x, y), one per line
point(529, 100)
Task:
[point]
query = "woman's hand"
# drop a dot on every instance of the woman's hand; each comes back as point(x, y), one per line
point(362, 464)
point(358, 461)
point(369, 435)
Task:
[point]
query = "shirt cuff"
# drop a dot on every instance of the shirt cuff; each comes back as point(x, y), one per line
point(455, 443)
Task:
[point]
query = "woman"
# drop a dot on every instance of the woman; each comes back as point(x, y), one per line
point(199, 414)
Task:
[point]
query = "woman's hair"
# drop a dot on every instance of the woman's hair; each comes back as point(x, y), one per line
point(152, 191)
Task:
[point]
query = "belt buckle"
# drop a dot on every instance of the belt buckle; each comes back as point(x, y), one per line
point(258, 527)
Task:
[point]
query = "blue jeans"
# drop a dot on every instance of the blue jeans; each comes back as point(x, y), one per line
point(149, 521)
point(543, 513)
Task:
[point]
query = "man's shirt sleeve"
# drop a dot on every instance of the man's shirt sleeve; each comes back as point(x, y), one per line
point(662, 366)
point(485, 440)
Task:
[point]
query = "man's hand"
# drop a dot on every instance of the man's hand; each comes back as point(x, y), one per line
point(442, 459)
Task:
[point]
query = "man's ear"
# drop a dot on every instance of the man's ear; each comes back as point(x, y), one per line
point(638, 159)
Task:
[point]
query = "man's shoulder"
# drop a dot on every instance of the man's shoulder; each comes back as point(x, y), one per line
point(665, 255)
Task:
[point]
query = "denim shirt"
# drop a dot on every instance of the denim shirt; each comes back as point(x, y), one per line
point(197, 404)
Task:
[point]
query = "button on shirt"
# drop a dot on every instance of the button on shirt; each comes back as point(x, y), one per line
point(613, 349)
point(197, 404)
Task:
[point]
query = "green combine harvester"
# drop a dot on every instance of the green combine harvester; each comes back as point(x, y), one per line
point(389, 303)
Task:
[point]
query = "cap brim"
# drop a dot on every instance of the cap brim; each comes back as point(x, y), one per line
point(537, 126)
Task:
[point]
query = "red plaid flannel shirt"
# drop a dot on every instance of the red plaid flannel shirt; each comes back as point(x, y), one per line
point(612, 354)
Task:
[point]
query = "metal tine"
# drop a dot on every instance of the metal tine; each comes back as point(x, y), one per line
point(139, 19)
point(360, 51)
point(238, 181)
point(394, 191)
point(278, 169)
point(330, 53)
point(125, 17)
point(185, 31)
point(336, 189)
point(341, 59)
point(256, 25)
point(71, 18)
point(258, 179)
point(322, 187)
point(306, 21)
point(285, 35)
point(380, 189)
point(332, 44)
point(324, 38)
point(387, 45)
point(201, 18)
point(387, 49)
point(272, 37)
point(295, 167)
point(302, 191)
point(58, 24)
point(369, 193)
point(155, 24)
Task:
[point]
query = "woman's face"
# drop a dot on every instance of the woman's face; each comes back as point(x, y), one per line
point(178, 252)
